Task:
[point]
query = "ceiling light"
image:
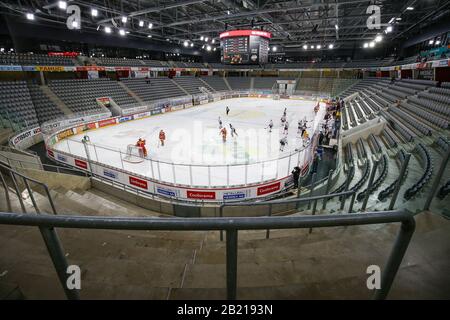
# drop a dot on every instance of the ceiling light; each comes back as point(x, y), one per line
point(150, 25)
point(208, 48)
point(366, 45)
point(213, 41)
point(389, 29)
point(431, 42)
point(124, 19)
point(94, 12)
point(438, 42)
point(201, 38)
point(410, 8)
point(30, 16)
point(336, 27)
point(392, 20)
point(372, 44)
point(228, 12)
point(378, 38)
point(149, 36)
point(305, 47)
point(2, 49)
point(107, 29)
point(319, 46)
point(330, 46)
point(274, 49)
point(192, 44)
point(141, 23)
point(312, 47)
point(399, 19)
point(62, 5)
point(122, 32)
point(206, 39)
point(215, 49)
point(185, 43)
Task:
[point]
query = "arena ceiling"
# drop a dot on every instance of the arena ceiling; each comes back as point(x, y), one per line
point(342, 23)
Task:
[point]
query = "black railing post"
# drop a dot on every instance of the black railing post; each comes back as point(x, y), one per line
point(395, 258)
point(369, 185)
point(352, 202)
point(400, 180)
point(56, 253)
point(437, 180)
point(270, 214)
point(325, 200)
point(313, 185)
point(232, 248)
point(221, 215)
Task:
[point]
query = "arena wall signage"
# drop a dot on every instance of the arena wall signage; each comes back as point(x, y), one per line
point(151, 186)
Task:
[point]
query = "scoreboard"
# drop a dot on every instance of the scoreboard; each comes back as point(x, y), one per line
point(245, 47)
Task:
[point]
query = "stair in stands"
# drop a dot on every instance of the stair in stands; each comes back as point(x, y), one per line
point(56, 100)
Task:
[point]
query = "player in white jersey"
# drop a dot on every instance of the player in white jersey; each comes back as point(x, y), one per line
point(286, 128)
point(220, 123)
point(270, 126)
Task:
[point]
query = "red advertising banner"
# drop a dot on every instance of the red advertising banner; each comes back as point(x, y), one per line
point(269, 189)
point(64, 54)
point(207, 195)
point(139, 183)
point(90, 68)
point(81, 164)
point(107, 122)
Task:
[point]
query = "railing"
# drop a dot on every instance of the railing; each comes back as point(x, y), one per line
point(232, 226)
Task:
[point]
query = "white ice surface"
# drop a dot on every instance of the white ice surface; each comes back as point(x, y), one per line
point(195, 146)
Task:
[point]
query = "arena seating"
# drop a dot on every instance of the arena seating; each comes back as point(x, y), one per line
point(16, 104)
point(117, 62)
point(157, 88)
point(390, 138)
point(45, 108)
point(190, 84)
point(424, 115)
point(217, 83)
point(424, 157)
point(155, 63)
point(239, 83)
point(401, 155)
point(80, 95)
point(24, 59)
point(444, 190)
point(264, 82)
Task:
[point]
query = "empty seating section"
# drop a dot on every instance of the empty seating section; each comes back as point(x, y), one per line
point(80, 95)
point(443, 144)
point(444, 190)
point(406, 134)
point(264, 82)
point(400, 159)
point(239, 83)
point(112, 62)
point(190, 84)
point(423, 155)
point(156, 89)
point(217, 83)
point(383, 170)
point(155, 63)
point(424, 114)
point(22, 59)
point(390, 138)
point(413, 123)
point(45, 108)
point(16, 105)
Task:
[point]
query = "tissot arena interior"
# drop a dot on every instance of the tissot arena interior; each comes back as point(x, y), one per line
point(224, 149)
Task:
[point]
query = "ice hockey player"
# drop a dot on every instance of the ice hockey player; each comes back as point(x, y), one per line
point(162, 137)
point(285, 112)
point(223, 132)
point(317, 108)
point(286, 128)
point(141, 144)
point(220, 123)
point(270, 126)
point(283, 143)
point(228, 110)
point(283, 120)
point(86, 139)
point(233, 131)
point(299, 126)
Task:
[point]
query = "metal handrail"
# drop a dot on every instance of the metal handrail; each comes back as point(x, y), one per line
point(232, 226)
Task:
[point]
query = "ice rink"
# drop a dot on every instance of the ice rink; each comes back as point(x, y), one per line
point(195, 154)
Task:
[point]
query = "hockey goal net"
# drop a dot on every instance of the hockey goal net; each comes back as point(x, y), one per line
point(134, 154)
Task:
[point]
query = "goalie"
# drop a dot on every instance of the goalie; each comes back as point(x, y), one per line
point(141, 144)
